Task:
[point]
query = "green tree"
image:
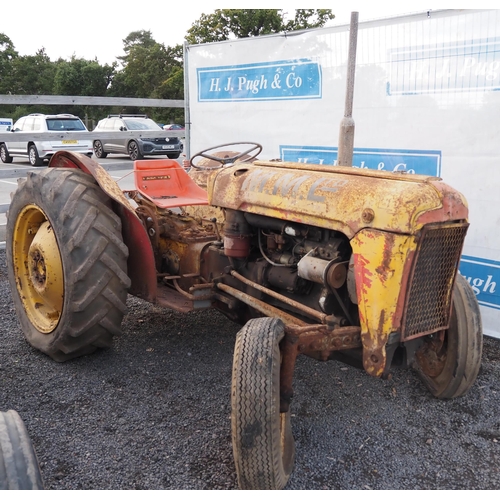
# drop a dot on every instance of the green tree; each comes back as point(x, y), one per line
point(150, 70)
point(82, 77)
point(7, 55)
point(32, 75)
point(224, 24)
point(146, 65)
point(85, 78)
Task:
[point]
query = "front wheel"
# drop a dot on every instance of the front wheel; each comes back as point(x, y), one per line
point(448, 362)
point(67, 263)
point(99, 150)
point(19, 468)
point(33, 156)
point(263, 445)
point(4, 154)
point(173, 156)
point(134, 152)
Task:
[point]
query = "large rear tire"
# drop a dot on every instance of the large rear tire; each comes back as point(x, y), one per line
point(67, 263)
point(448, 362)
point(19, 468)
point(263, 444)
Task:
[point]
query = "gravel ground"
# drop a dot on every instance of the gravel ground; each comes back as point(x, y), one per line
point(153, 413)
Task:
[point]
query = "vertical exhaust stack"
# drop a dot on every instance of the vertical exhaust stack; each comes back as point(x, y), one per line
point(346, 134)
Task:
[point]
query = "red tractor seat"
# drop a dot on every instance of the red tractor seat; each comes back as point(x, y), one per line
point(167, 184)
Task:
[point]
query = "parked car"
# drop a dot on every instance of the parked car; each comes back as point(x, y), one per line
point(173, 126)
point(135, 147)
point(38, 150)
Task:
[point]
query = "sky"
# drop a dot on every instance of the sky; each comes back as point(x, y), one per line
point(96, 28)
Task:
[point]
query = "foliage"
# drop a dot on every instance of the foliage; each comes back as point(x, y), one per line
point(82, 77)
point(150, 70)
point(224, 24)
point(32, 75)
point(146, 65)
point(147, 69)
point(7, 55)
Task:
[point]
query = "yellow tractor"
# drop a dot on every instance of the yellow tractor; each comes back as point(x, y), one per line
point(334, 263)
point(331, 262)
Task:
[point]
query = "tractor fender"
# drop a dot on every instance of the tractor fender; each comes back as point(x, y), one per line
point(141, 261)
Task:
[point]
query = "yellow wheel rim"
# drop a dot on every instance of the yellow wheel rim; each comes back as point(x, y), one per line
point(38, 268)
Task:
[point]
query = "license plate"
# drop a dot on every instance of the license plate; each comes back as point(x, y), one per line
point(70, 141)
point(171, 146)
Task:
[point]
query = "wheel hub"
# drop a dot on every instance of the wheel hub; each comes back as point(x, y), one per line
point(44, 263)
point(432, 355)
point(38, 268)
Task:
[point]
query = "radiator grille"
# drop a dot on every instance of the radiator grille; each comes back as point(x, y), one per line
point(428, 302)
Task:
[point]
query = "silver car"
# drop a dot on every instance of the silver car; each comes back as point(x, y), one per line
point(136, 148)
point(39, 149)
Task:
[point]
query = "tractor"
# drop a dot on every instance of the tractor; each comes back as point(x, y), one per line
point(326, 261)
point(331, 262)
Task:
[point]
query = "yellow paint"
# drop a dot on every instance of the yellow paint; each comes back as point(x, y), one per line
point(379, 265)
point(334, 199)
point(38, 269)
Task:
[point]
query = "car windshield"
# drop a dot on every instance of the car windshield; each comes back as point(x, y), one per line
point(144, 124)
point(65, 124)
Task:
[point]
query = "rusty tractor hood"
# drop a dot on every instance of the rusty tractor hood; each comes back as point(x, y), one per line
point(346, 199)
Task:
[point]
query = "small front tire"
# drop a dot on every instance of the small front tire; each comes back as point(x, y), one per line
point(33, 156)
point(263, 444)
point(448, 362)
point(134, 152)
point(99, 150)
point(4, 154)
point(19, 469)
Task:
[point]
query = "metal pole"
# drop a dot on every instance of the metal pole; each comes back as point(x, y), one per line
point(346, 134)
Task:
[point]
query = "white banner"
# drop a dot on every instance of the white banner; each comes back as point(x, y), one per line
point(426, 101)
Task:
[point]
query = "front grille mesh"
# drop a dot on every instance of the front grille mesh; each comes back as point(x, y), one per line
point(429, 298)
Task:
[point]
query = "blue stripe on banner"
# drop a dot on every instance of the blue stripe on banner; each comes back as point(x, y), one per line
point(484, 277)
point(292, 79)
point(423, 162)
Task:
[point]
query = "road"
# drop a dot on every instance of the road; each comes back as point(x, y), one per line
point(119, 167)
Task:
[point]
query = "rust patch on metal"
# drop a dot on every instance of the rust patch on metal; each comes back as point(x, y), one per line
point(374, 355)
point(312, 340)
point(261, 306)
point(454, 206)
point(318, 338)
point(385, 268)
point(432, 355)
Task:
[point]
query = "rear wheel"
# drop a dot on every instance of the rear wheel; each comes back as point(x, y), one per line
point(33, 157)
point(134, 152)
point(448, 362)
point(263, 445)
point(99, 150)
point(4, 154)
point(67, 263)
point(19, 468)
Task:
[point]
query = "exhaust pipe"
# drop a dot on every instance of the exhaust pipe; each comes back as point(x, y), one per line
point(346, 134)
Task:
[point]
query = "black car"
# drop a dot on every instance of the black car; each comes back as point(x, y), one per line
point(136, 148)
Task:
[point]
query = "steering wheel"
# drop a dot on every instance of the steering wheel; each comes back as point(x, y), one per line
point(229, 157)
